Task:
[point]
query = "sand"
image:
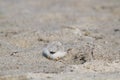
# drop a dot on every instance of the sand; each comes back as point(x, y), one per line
point(88, 29)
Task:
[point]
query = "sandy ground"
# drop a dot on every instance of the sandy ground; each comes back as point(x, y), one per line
point(88, 29)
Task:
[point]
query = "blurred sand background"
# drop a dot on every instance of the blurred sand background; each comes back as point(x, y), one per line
point(89, 29)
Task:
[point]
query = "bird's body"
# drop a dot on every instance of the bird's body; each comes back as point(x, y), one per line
point(54, 51)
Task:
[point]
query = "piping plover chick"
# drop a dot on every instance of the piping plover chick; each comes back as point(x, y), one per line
point(54, 51)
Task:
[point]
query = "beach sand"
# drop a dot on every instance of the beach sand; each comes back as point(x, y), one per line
point(88, 29)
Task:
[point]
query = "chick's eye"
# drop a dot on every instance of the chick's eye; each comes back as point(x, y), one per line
point(52, 52)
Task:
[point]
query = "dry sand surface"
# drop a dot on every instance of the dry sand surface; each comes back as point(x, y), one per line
point(88, 29)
